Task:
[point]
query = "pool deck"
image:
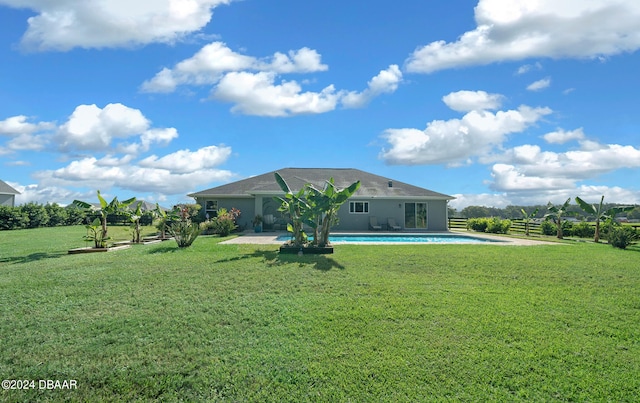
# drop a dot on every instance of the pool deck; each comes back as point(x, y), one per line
point(270, 238)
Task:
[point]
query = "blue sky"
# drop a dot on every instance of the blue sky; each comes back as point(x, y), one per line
point(496, 103)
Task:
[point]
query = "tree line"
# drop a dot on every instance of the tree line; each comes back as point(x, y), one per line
point(35, 215)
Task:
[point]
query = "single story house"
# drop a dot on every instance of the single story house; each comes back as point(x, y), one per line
point(7, 195)
point(379, 199)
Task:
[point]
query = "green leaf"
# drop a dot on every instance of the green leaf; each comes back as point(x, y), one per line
point(103, 202)
point(282, 183)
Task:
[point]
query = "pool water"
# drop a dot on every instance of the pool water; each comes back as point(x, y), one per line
point(400, 238)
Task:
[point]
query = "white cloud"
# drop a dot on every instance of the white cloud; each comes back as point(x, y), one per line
point(92, 128)
point(209, 64)
point(186, 161)
point(561, 136)
point(539, 85)
point(457, 140)
point(17, 125)
point(24, 135)
point(169, 177)
point(257, 94)
point(528, 67)
point(522, 29)
point(63, 25)
point(38, 194)
point(527, 167)
point(465, 101)
point(385, 82)
point(588, 193)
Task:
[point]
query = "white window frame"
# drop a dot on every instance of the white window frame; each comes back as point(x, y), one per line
point(353, 209)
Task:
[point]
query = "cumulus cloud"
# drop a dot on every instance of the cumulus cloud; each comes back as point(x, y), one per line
point(91, 128)
point(385, 82)
point(185, 161)
point(209, 64)
point(465, 101)
point(170, 177)
point(539, 85)
point(255, 87)
point(522, 29)
point(455, 141)
point(527, 167)
point(24, 135)
point(63, 25)
point(562, 136)
point(258, 94)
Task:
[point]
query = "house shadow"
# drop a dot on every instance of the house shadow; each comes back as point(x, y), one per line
point(33, 257)
point(275, 259)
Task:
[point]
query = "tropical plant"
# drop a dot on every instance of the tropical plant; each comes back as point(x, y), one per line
point(622, 236)
point(134, 217)
point(184, 231)
point(555, 213)
point(325, 204)
point(297, 208)
point(114, 207)
point(600, 214)
point(224, 223)
point(527, 219)
point(314, 207)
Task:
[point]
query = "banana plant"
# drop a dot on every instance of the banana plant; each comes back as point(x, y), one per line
point(326, 203)
point(295, 205)
point(114, 207)
point(527, 219)
point(555, 213)
point(134, 217)
point(599, 213)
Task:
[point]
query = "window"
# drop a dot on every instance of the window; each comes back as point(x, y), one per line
point(211, 208)
point(358, 207)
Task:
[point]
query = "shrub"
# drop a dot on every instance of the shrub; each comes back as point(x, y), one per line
point(223, 224)
point(38, 216)
point(477, 224)
point(497, 226)
point(622, 236)
point(548, 228)
point(567, 228)
point(584, 230)
point(13, 218)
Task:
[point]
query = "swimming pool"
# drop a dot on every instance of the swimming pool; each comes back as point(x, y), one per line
point(400, 238)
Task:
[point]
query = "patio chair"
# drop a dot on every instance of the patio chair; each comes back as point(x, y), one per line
point(373, 224)
point(391, 223)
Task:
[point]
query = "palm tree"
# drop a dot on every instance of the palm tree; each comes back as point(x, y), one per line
point(556, 213)
point(599, 214)
point(114, 207)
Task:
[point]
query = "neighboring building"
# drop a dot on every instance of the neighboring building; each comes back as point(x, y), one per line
point(7, 195)
point(412, 208)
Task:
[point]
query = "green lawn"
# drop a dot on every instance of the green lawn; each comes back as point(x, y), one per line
point(369, 323)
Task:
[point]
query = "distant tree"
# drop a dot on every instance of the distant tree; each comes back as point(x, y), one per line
point(475, 212)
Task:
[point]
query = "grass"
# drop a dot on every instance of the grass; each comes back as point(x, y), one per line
point(369, 323)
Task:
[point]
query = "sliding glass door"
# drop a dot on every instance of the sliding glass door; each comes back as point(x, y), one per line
point(415, 215)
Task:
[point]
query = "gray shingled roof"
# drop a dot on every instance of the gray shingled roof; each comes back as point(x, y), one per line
point(6, 189)
point(371, 185)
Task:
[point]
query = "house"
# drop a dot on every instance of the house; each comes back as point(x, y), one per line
point(411, 207)
point(7, 195)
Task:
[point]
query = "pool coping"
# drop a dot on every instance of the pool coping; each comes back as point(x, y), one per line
point(270, 238)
